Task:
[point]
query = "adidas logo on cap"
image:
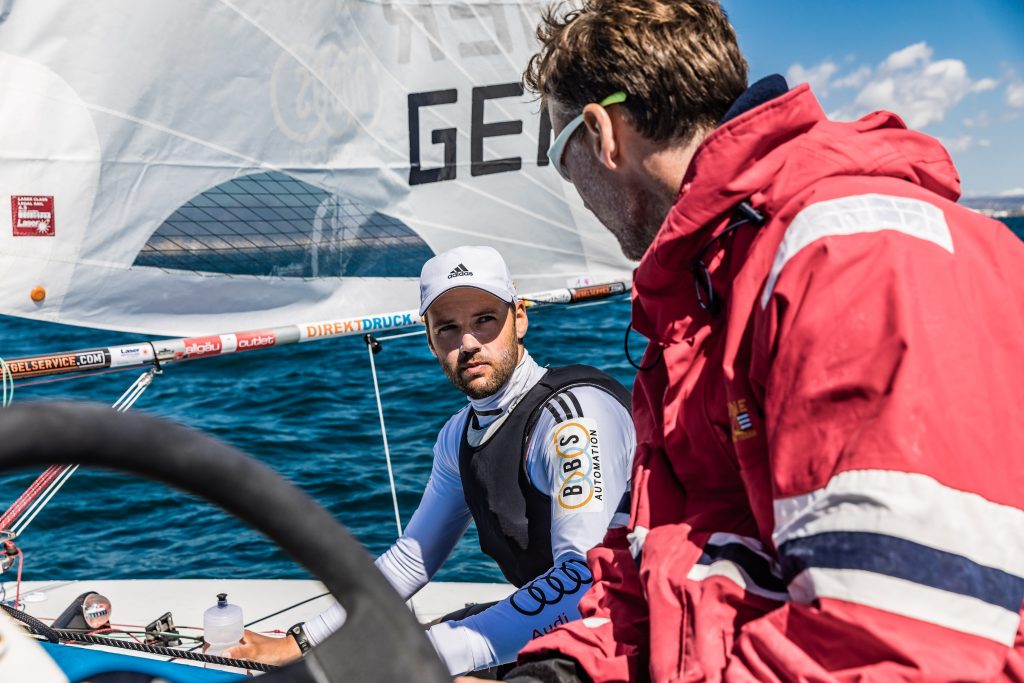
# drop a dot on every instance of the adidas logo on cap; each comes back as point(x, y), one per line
point(490, 274)
point(460, 271)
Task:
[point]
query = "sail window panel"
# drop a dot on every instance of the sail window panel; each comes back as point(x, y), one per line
point(245, 186)
point(225, 201)
point(242, 213)
point(201, 201)
point(271, 224)
point(268, 201)
point(214, 215)
point(308, 200)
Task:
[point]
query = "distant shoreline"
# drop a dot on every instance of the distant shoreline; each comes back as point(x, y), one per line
point(996, 207)
point(1001, 213)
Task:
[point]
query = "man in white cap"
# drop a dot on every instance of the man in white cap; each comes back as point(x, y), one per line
point(540, 459)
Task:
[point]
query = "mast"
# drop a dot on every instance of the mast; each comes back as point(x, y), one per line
point(161, 351)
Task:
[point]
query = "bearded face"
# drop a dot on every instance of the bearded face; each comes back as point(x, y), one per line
point(476, 339)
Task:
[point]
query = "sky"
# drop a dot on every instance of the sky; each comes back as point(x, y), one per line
point(953, 70)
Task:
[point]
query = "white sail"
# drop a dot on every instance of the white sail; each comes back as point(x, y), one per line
point(192, 167)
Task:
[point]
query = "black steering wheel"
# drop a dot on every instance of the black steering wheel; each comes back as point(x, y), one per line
point(380, 641)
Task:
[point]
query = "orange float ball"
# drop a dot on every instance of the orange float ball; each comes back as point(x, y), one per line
point(38, 293)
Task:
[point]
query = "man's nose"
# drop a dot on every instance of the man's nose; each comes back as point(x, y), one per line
point(469, 343)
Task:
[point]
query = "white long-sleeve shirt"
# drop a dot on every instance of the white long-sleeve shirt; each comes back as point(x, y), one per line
point(586, 478)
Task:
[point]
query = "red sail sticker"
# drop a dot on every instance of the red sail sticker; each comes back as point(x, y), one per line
point(33, 216)
point(255, 340)
point(197, 347)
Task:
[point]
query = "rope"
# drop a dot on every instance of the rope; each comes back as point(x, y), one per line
point(17, 590)
point(404, 334)
point(372, 347)
point(30, 503)
point(68, 378)
point(64, 474)
point(30, 494)
point(8, 383)
point(54, 635)
point(35, 626)
point(132, 393)
point(370, 342)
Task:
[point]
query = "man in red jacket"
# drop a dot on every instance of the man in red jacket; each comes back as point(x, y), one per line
point(829, 478)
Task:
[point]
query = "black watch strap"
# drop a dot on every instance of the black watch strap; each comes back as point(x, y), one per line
point(299, 634)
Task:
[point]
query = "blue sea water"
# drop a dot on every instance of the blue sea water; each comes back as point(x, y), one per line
point(308, 411)
point(1016, 224)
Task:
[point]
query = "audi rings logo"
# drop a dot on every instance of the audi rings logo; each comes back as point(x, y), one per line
point(578, 466)
point(546, 590)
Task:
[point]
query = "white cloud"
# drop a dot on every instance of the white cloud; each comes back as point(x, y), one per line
point(853, 80)
point(982, 120)
point(984, 142)
point(816, 76)
point(1012, 192)
point(909, 82)
point(907, 57)
point(959, 144)
point(1015, 94)
point(984, 84)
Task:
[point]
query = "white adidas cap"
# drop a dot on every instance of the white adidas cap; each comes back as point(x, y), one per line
point(480, 267)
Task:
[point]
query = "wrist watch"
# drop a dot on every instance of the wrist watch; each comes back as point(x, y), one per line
point(299, 635)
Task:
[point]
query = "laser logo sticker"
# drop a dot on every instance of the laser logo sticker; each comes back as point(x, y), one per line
point(577, 469)
point(33, 216)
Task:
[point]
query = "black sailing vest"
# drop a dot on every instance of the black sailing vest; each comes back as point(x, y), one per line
point(512, 517)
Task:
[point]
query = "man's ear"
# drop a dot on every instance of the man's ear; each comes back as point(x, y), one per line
point(522, 320)
point(430, 343)
point(602, 137)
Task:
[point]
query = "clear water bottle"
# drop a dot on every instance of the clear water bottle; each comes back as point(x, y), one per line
point(222, 625)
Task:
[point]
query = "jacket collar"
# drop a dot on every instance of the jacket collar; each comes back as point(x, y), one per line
point(768, 154)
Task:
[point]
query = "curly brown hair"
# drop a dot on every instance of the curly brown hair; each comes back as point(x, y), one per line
point(677, 60)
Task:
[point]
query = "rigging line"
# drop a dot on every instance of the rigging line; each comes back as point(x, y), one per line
point(371, 344)
point(122, 404)
point(315, 75)
point(81, 375)
point(49, 493)
point(399, 336)
point(602, 302)
point(289, 607)
point(31, 493)
point(256, 621)
point(384, 434)
point(132, 393)
point(8, 383)
point(27, 498)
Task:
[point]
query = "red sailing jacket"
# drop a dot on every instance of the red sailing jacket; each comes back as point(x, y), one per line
point(829, 480)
